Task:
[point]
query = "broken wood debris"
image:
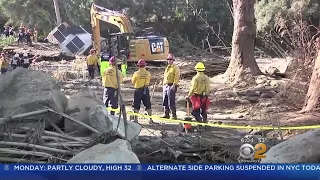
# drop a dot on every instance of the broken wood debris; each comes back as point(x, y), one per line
point(23, 144)
point(182, 150)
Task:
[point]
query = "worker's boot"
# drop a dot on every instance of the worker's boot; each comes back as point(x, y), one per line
point(174, 114)
point(135, 117)
point(166, 114)
point(149, 111)
point(205, 120)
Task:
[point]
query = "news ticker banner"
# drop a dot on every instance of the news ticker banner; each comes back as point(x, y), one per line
point(161, 167)
point(159, 171)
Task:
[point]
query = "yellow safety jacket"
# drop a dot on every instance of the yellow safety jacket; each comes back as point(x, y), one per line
point(171, 75)
point(109, 77)
point(92, 60)
point(4, 63)
point(141, 78)
point(200, 84)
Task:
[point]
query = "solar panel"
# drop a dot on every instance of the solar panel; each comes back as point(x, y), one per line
point(77, 41)
point(59, 36)
point(63, 29)
point(72, 47)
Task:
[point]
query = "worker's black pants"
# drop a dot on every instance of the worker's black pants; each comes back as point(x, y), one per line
point(3, 70)
point(29, 42)
point(91, 71)
point(110, 95)
point(26, 65)
point(141, 94)
point(98, 66)
point(200, 114)
point(169, 97)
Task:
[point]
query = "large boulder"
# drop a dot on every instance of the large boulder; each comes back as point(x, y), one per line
point(79, 107)
point(303, 148)
point(31, 90)
point(119, 151)
point(101, 120)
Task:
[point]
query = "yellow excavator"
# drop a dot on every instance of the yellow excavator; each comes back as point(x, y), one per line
point(120, 40)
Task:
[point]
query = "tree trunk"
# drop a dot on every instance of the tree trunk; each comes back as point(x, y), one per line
point(243, 40)
point(57, 11)
point(313, 95)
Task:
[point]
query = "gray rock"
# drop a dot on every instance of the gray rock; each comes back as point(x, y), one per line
point(119, 151)
point(267, 95)
point(79, 107)
point(275, 83)
point(252, 99)
point(30, 91)
point(272, 70)
point(303, 148)
point(226, 93)
point(101, 120)
point(245, 101)
point(260, 81)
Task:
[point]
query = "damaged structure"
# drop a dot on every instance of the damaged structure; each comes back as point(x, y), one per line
point(73, 40)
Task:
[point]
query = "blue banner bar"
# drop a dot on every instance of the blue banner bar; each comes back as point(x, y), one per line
point(159, 171)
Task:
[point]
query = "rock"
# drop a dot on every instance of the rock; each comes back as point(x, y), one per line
point(69, 86)
point(272, 70)
point(260, 81)
point(252, 99)
point(226, 94)
point(79, 107)
point(245, 101)
point(267, 95)
point(63, 62)
point(99, 119)
point(266, 102)
point(260, 86)
point(274, 83)
point(119, 152)
point(31, 90)
point(104, 122)
point(303, 148)
point(267, 83)
point(251, 93)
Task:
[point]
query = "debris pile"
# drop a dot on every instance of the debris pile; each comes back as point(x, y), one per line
point(182, 149)
point(36, 117)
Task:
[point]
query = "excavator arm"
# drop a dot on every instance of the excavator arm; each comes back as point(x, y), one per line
point(109, 16)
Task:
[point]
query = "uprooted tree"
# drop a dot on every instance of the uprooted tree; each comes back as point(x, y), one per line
point(312, 102)
point(243, 40)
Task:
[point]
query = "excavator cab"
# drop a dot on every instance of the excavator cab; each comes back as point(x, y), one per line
point(147, 46)
point(117, 45)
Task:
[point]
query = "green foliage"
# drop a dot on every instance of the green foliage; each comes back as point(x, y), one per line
point(197, 21)
point(32, 13)
point(4, 41)
point(267, 12)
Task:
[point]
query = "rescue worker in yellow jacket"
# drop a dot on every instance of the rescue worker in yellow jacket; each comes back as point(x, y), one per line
point(141, 81)
point(110, 84)
point(198, 94)
point(4, 64)
point(170, 85)
point(92, 63)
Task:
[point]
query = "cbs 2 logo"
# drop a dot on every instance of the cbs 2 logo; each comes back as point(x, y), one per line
point(247, 151)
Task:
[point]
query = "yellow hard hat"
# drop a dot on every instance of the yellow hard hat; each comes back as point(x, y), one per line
point(200, 67)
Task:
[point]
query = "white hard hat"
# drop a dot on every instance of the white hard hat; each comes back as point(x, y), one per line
point(25, 54)
point(16, 55)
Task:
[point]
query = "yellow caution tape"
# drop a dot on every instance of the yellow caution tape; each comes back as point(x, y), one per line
point(219, 125)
